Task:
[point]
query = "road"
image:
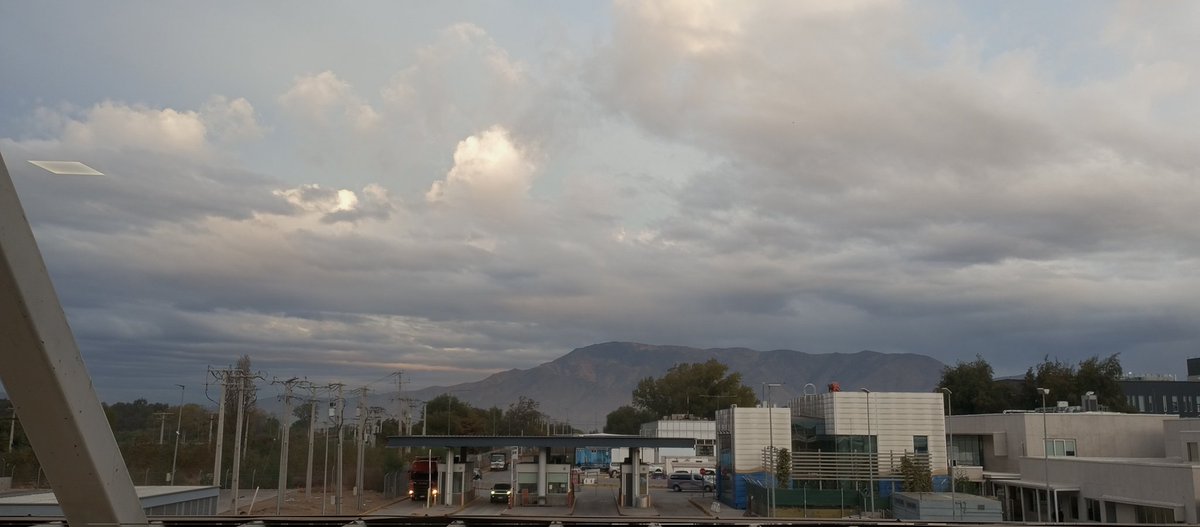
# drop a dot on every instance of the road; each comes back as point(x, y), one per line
point(591, 501)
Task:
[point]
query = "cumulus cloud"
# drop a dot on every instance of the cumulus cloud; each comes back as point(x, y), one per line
point(490, 172)
point(463, 79)
point(342, 204)
point(114, 125)
point(326, 100)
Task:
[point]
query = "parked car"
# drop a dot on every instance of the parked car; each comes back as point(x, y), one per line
point(680, 482)
point(501, 493)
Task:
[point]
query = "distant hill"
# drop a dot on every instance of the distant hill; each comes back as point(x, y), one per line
point(586, 384)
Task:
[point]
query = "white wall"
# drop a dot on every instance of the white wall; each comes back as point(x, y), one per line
point(1135, 481)
point(1096, 434)
point(895, 417)
point(1177, 433)
point(753, 430)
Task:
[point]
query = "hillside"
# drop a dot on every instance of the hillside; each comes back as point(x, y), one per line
point(586, 384)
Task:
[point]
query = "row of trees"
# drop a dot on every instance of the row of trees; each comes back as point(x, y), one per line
point(974, 390)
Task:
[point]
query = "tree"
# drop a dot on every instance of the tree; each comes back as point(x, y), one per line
point(626, 420)
point(696, 389)
point(523, 418)
point(1069, 383)
point(783, 468)
point(972, 389)
point(1103, 376)
point(915, 475)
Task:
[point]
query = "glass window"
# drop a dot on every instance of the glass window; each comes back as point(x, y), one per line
point(921, 444)
point(1193, 452)
point(1060, 447)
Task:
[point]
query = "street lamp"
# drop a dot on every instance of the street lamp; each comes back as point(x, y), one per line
point(870, 458)
point(950, 448)
point(178, 426)
point(771, 446)
point(1046, 454)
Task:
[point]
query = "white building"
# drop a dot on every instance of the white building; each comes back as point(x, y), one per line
point(890, 425)
point(743, 436)
point(1098, 467)
point(704, 431)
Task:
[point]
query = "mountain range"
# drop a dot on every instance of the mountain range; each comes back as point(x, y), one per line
point(583, 386)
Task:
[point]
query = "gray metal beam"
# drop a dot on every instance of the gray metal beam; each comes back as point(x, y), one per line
point(49, 386)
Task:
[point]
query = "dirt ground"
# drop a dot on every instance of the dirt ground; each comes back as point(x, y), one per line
point(296, 504)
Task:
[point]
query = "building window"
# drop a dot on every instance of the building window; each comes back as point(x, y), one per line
point(1193, 452)
point(921, 444)
point(1093, 509)
point(1148, 514)
point(1060, 447)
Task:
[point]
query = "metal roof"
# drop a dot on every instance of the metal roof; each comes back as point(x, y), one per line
point(580, 441)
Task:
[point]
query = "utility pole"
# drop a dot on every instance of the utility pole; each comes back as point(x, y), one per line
point(237, 442)
point(362, 441)
point(284, 435)
point(178, 427)
point(400, 402)
point(162, 424)
point(341, 406)
point(312, 427)
point(223, 375)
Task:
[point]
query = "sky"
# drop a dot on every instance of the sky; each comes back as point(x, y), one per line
point(451, 189)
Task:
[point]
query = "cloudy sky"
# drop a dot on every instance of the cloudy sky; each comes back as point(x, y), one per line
point(457, 188)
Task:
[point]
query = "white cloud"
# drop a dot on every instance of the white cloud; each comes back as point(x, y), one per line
point(231, 120)
point(463, 79)
point(115, 126)
point(341, 205)
point(490, 172)
point(326, 100)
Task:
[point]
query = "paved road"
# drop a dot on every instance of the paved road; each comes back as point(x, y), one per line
point(596, 500)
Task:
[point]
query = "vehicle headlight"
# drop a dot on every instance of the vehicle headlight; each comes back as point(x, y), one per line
point(410, 492)
point(435, 492)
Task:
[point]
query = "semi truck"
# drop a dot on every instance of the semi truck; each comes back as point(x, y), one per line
point(423, 478)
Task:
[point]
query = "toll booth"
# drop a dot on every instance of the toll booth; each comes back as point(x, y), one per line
point(635, 485)
point(455, 486)
point(544, 481)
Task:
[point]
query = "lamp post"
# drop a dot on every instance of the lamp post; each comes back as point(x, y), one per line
point(178, 426)
point(870, 457)
point(1046, 454)
point(950, 448)
point(771, 446)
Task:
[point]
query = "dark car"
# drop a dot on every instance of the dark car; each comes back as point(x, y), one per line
point(501, 492)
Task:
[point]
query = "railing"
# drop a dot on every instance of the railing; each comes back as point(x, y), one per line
point(832, 466)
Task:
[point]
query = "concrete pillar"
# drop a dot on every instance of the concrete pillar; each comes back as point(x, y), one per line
point(448, 481)
point(543, 454)
point(49, 385)
point(635, 454)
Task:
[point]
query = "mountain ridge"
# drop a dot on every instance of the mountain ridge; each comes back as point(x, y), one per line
point(587, 383)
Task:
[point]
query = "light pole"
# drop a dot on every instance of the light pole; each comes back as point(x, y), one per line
point(178, 426)
point(870, 457)
point(950, 448)
point(771, 448)
point(1046, 454)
